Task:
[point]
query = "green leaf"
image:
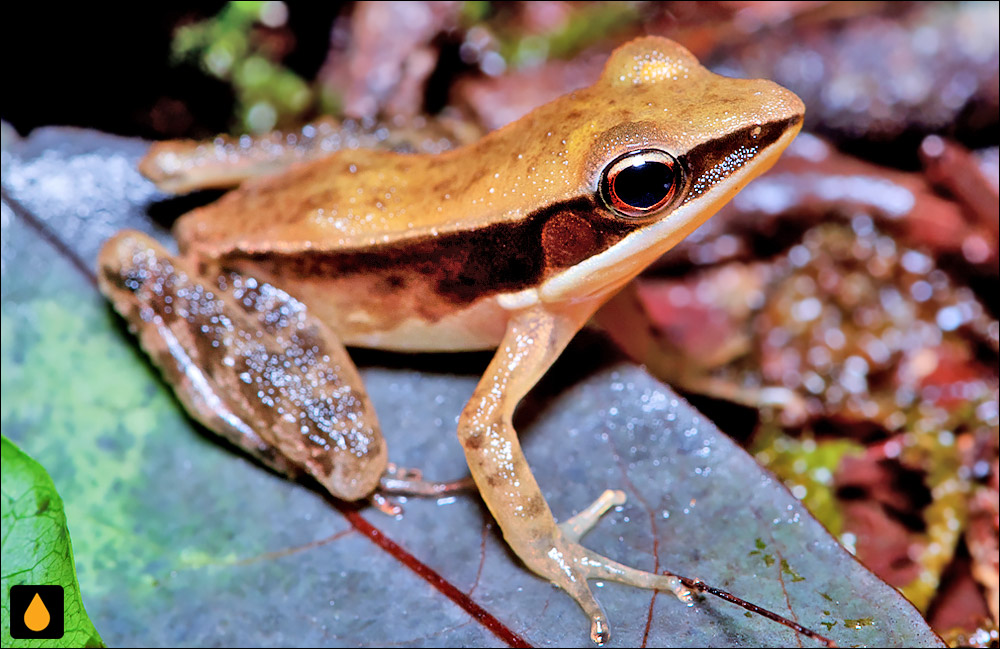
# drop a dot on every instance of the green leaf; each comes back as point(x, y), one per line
point(36, 546)
point(806, 466)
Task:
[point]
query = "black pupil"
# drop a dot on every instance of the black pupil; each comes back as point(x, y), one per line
point(644, 184)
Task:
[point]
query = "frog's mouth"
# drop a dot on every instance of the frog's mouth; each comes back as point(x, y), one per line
point(603, 274)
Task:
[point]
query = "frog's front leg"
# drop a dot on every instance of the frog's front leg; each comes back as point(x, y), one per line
point(533, 340)
point(250, 363)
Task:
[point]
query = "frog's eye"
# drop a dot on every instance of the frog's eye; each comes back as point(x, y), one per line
point(640, 182)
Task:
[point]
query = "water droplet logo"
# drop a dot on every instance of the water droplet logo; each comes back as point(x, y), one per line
point(37, 616)
point(36, 612)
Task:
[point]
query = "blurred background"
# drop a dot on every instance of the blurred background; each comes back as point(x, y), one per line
point(839, 319)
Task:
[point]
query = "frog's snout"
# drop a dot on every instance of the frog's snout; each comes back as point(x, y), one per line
point(781, 104)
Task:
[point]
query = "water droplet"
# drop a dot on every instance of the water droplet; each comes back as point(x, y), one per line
point(36, 617)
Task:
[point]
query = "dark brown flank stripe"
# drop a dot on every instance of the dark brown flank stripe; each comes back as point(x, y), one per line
point(459, 268)
point(462, 267)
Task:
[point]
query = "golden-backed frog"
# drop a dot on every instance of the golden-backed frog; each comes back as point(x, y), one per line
point(509, 243)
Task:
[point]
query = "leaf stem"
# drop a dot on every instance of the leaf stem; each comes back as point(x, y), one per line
point(702, 587)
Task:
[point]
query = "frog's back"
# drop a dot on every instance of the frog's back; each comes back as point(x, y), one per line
point(429, 252)
point(408, 251)
point(397, 251)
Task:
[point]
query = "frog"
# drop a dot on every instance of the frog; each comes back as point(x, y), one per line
point(510, 243)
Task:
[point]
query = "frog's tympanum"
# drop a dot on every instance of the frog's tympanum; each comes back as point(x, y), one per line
point(509, 243)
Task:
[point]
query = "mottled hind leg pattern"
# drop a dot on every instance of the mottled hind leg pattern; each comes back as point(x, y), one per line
point(250, 363)
point(533, 340)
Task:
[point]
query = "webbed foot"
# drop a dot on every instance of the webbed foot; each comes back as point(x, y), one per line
point(569, 565)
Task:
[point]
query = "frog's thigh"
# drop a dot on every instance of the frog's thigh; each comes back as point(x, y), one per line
point(533, 340)
point(250, 363)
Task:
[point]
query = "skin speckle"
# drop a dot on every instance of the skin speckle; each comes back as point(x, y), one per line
point(534, 506)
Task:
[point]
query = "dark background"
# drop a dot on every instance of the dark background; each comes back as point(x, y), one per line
point(109, 68)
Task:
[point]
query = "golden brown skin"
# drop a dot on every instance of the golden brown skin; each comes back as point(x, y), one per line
point(505, 243)
point(181, 166)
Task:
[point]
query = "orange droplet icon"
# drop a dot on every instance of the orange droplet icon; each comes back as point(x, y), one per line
point(36, 617)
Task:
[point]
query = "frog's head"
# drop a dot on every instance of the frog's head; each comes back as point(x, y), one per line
point(664, 145)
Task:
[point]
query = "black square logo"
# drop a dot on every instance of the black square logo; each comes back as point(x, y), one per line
point(37, 612)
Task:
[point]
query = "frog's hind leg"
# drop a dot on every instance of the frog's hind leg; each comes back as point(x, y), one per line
point(249, 362)
point(534, 338)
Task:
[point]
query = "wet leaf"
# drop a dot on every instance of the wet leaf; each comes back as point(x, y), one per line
point(183, 540)
point(37, 548)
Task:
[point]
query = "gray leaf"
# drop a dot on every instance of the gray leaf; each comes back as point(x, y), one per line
point(180, 541)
